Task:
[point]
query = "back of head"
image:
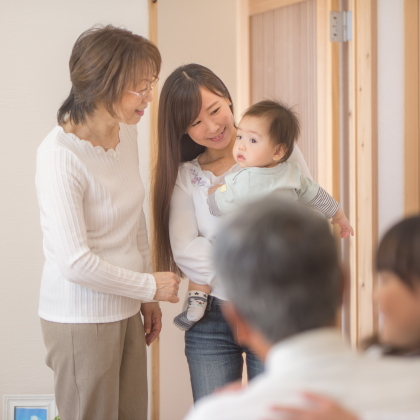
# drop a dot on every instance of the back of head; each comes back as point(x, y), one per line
point(399, 251)
point(283, 123)
point(279, 266)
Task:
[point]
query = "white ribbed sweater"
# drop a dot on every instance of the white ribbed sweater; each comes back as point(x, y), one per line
point(95, 236)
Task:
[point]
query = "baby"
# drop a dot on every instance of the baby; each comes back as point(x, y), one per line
point(265, 140)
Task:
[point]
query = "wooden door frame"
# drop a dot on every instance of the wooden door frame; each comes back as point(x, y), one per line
point(328, 88)
point(328, 138)
point(328, 116)
point(411, 107)
point(363, 143)
point(363, 139)
point(155, 347)
point(261, 6)
point(328, 109)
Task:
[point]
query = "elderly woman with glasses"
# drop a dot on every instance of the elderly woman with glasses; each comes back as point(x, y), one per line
point(98, 276)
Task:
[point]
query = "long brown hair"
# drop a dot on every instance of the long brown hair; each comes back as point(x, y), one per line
point(179, 105)
point(104, 62)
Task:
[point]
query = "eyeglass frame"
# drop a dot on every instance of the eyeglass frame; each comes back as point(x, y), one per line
point(146, 90)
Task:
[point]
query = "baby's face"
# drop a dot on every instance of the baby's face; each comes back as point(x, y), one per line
point(253, 147)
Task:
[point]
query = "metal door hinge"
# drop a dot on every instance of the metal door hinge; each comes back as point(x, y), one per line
point(340, 26)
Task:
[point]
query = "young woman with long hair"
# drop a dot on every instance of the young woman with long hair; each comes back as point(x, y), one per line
point(196, 131)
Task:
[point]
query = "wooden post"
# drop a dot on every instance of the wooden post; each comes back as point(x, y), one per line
point(411, 107)
point(353, 309)
point(155, 353)
point(324, 97)
point(364, 172)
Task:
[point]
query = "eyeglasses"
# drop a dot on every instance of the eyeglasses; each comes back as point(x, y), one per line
point(144, 92)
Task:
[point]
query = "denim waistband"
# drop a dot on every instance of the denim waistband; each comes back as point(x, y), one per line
point(212, 300)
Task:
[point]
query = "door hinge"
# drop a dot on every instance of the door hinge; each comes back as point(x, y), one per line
point(340, 26)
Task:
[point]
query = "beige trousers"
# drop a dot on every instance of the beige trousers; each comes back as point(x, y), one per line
point(100, 370)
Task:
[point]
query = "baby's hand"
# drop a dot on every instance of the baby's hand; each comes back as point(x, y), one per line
point(213, 189)
point(345, 228)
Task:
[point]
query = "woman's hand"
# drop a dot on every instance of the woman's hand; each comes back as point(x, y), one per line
point(323, 409)
point(152, 320)
point(167, 286)
point(341, 219)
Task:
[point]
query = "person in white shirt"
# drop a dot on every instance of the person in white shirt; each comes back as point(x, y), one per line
point(278, 264)
point(98, 274)
point(196, 135)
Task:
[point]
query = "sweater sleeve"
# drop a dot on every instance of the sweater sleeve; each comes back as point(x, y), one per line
point(192, 252)
point(143, 244)
point(61, 185)
point(312, 195)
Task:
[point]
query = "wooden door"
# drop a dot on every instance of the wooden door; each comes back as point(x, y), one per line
point(333, 88)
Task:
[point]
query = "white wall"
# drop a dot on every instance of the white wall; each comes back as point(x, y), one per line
point(36, 38)
point(203, 32)
point(390, 113)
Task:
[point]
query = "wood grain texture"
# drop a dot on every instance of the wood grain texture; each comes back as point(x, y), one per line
point(328, 106)
point(155, 349)
point(324, 142)
point(243, 81)
point(284, 66)
point(411, 107)
point(365, 33)
point(261, 6)
point(352, 186)
point(155, 379)
point(335, 128)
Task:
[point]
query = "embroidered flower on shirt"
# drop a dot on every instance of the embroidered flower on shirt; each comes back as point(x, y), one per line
point(196, 179)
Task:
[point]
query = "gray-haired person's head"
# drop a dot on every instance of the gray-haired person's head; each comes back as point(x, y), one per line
point(278, 263)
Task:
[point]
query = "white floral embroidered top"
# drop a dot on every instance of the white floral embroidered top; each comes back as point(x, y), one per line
point(192, 228)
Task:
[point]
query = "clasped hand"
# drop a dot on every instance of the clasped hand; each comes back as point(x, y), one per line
point(167, 286)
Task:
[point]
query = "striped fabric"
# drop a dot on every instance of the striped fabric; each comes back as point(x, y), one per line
point(324, 203)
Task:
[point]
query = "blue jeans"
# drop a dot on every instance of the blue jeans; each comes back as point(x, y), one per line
point(213, 356)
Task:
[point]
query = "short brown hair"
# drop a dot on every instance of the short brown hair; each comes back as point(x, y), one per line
point(103, 63)
point(284, 126)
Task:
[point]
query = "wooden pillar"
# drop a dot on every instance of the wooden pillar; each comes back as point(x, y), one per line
point(324, 96)
point(363, 167)
point(155, 353)
point(411, 107)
